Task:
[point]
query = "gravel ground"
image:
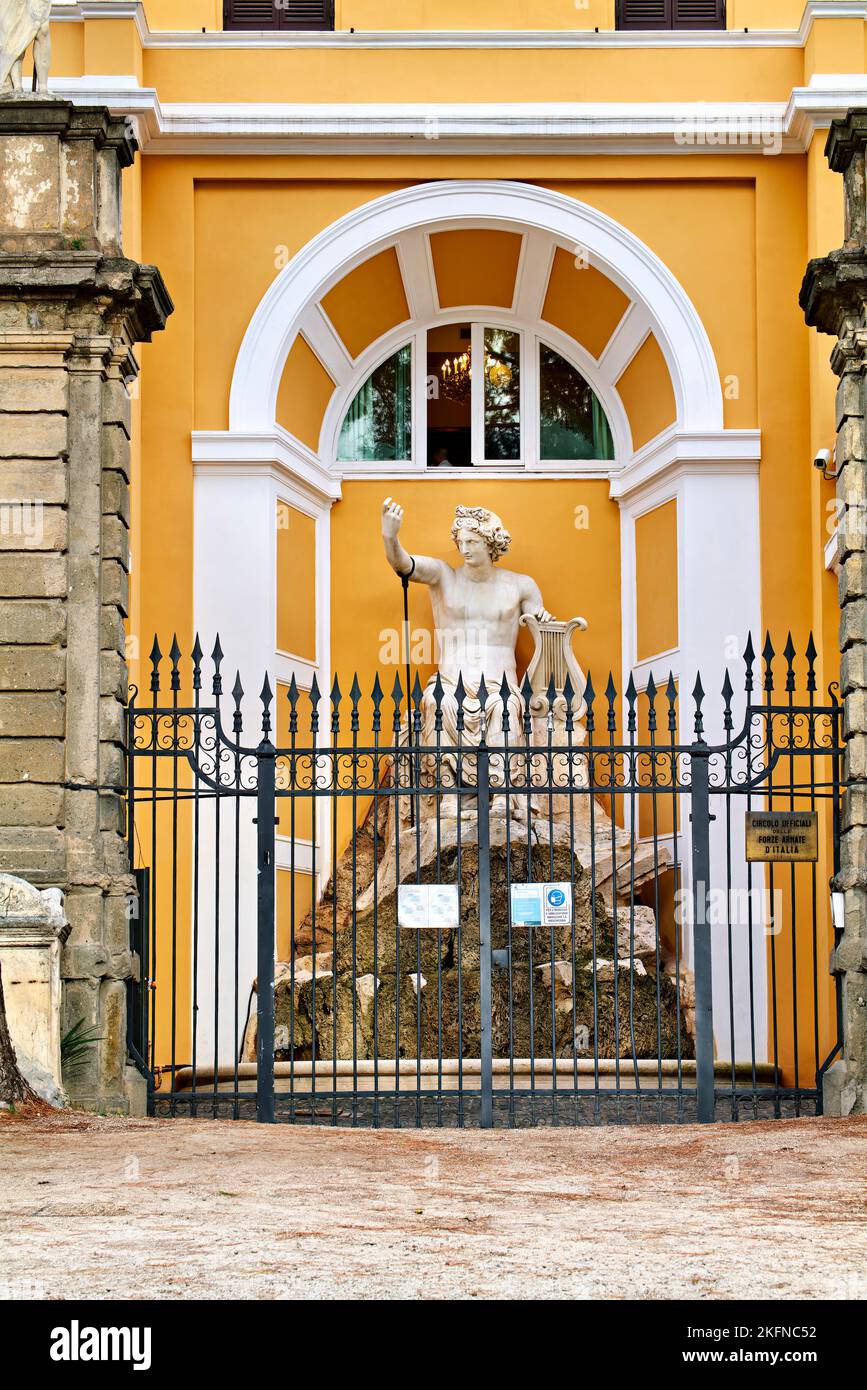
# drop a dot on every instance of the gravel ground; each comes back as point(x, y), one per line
point(115, 1209)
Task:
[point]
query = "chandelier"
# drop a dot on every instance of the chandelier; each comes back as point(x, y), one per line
point(456, 377)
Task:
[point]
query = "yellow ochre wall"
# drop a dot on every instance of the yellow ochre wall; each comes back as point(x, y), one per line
point(472, 14)
point(736, 230)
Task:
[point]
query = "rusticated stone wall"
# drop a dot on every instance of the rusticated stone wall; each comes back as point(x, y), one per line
point(71, 310)
point(834, 299)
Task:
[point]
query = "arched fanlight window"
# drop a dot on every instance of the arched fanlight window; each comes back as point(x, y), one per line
point(476, 418)
point(573, 424)
point(378, 424)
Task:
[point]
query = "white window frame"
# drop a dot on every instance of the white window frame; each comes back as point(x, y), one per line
point(530, 459)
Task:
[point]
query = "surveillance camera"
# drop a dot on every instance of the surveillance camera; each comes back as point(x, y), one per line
point(822, 459)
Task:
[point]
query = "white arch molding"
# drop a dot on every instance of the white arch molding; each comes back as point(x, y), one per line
point(500, 205)
point(711, 471)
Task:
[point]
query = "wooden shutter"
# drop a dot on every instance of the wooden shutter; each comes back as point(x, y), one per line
point(645, 14)
point(671, 14)
point(250, 14)
point(698, 14)
point(278, 14)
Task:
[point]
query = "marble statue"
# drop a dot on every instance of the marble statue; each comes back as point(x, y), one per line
point(477, 612)
point(23, 22)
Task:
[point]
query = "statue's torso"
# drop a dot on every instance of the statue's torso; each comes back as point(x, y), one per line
point(477, 625)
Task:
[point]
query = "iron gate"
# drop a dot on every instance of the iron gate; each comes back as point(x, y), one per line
point(675, 980)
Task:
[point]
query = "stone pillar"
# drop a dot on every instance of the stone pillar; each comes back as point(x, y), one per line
point(71, 310)
point(834, 300)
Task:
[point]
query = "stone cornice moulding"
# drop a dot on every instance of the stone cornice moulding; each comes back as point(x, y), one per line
point(275, 452)
point(673, 454)
point(623, 128)
point(77, 10)
point(679, 452)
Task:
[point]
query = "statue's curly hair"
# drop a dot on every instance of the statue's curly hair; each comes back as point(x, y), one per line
point(487, 524)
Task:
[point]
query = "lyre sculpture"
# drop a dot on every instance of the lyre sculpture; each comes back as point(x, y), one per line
point(554, 667)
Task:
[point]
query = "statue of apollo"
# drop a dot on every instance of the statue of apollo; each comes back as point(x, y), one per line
point(477, 612)
point(23, 22)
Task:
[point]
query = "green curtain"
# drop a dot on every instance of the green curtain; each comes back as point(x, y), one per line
point(377, 427)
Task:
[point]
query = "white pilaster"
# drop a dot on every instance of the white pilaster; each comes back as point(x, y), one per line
point(719, 604)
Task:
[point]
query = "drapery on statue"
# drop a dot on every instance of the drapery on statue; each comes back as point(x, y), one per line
point(477, 612)
point(22, 23)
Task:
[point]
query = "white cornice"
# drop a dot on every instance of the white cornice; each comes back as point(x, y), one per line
point(277, 452)
point(673, 454)
point(77, 10)
point(679, 128)
point(676, 452)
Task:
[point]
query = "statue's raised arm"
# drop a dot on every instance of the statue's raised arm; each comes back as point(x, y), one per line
point(22, 23)
point(421, 569)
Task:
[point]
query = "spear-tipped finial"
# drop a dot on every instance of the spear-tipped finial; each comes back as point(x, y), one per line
point(355, 698)
point(749, 662)
point(266, 696)
point(217, 658)
point(174, 657)
point(397, 701)
point(589, 697)
point(551, 696)
point(335, 697)
point(768, 655)
point(237, 696)
point(727, 693)
point(155, 658)
point(631, 698)
point(789, 655)
point(611, 697)
point(698, 697)
point(505, 694)
point(314, 695)
point(197, 655)
point(650, 692)
point(438, 696)
point(526, 697)
point(671, 697)
point(569, 697)
point(811, 665)
point(293, 705)
point(377, 696)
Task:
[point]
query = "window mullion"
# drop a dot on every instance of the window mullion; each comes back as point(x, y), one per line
point(418, 421)
point(530, 397)
point(477, 433)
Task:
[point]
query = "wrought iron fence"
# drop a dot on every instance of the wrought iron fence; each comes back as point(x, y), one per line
point(586, 941)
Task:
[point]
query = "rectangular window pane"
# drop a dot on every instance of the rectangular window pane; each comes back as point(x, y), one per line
point(449, 396)
point(378, 426)
point(502, 394)
point(572, 422)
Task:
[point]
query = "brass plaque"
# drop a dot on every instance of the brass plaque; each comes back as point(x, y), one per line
point(782, 836)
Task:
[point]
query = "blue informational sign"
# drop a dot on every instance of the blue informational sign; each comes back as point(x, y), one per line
point(541, 904)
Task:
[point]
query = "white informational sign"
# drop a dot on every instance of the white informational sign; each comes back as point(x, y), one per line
point(541, 904)
point(428, 906)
